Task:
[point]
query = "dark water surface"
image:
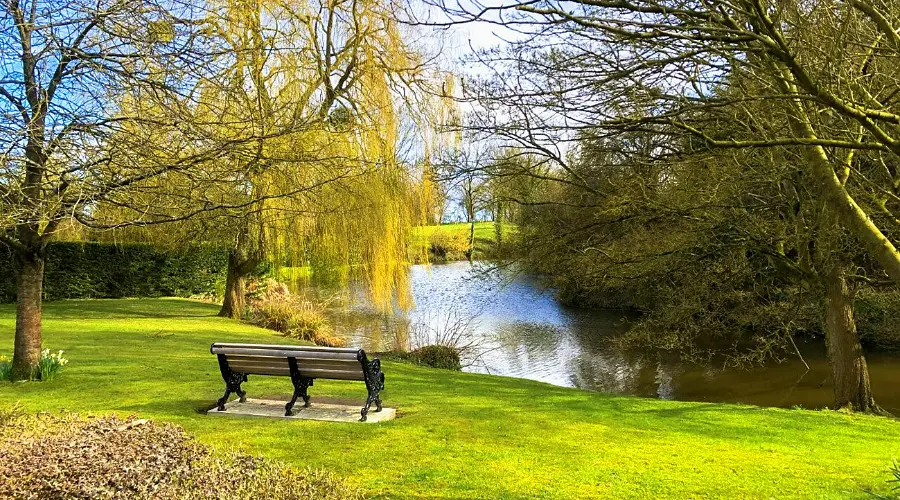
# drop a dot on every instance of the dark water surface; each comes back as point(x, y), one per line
point(515, 327)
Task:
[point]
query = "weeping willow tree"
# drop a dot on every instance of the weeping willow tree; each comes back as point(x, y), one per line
point(308, 104)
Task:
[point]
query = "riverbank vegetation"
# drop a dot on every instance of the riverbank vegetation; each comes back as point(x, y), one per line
point(459, 435)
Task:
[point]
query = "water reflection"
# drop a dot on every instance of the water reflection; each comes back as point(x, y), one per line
point(515, 327)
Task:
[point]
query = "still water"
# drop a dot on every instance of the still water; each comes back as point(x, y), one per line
point(511, 325)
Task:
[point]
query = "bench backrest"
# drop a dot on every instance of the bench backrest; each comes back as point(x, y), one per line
point(312, 361)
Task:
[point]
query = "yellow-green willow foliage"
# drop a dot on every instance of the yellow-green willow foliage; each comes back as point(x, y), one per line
point(439, 120)
point(306, 113)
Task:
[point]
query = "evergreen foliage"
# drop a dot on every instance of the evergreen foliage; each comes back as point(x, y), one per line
point(105, 270)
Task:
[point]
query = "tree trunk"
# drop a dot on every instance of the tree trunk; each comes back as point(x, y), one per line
point(240, 264)
point(235, 289)
point(29, 268)
point(472, 240)
point(498, 224)
point(848, 363)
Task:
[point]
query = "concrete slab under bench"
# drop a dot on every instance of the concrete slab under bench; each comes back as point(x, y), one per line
point(317, 411)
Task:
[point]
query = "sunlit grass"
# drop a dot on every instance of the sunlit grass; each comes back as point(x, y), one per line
point(485, 235)
point(459, 435)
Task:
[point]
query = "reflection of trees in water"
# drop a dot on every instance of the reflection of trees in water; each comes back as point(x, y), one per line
point(524, 332)
point(605, 365)
point(372, 331)
point(623, 371)
point(522, 348)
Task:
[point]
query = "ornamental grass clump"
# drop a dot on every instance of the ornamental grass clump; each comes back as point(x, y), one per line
point(277, 309)
point(69, 456)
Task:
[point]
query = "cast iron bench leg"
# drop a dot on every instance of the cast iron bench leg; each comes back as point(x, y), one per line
point(233, 384)
point(301, 384)
point(374, 385)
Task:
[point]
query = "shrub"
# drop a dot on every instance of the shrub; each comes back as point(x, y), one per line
point(438, 356)
point(275, 308)
point(5, 369)
point(52, 457)
point(432, 356)
point(447, 245)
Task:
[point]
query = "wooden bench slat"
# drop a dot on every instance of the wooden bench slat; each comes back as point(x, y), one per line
point(280, 366)
point(257, 359)
point(287, 354)
point(252, 369)
point(261, 370)
point(317, 364)
point(327, 364)
point(275, 347)
point(333, 374)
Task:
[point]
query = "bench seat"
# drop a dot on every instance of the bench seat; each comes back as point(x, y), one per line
point(303, 364)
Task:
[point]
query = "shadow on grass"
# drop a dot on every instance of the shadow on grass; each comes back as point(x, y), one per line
point(128, 308)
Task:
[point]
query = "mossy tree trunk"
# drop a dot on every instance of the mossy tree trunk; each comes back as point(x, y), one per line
point(848, 362)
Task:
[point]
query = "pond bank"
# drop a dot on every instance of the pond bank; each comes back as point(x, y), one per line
point(515, 326)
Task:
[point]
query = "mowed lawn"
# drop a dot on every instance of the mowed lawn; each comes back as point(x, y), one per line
point(458, 435)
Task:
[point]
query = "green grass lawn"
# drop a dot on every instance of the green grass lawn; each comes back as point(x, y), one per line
point(459, 435)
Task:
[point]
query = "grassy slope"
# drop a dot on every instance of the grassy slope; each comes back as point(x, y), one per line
point(460, 435)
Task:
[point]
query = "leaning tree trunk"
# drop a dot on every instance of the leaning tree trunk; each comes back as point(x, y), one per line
point(242, 260)
point(852, 217)
point(239, 268)
point(29, 268)
point(848, 363)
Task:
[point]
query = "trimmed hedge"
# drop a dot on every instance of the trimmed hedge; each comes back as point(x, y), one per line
point(110, 271)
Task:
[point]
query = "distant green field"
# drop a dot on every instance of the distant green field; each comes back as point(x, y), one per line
point(419, 242)
point(485, 235)
point(458, 435)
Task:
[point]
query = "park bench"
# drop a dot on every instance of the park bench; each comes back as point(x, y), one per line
point(303, 364)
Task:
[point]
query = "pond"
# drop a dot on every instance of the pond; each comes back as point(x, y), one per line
point(511, 325)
